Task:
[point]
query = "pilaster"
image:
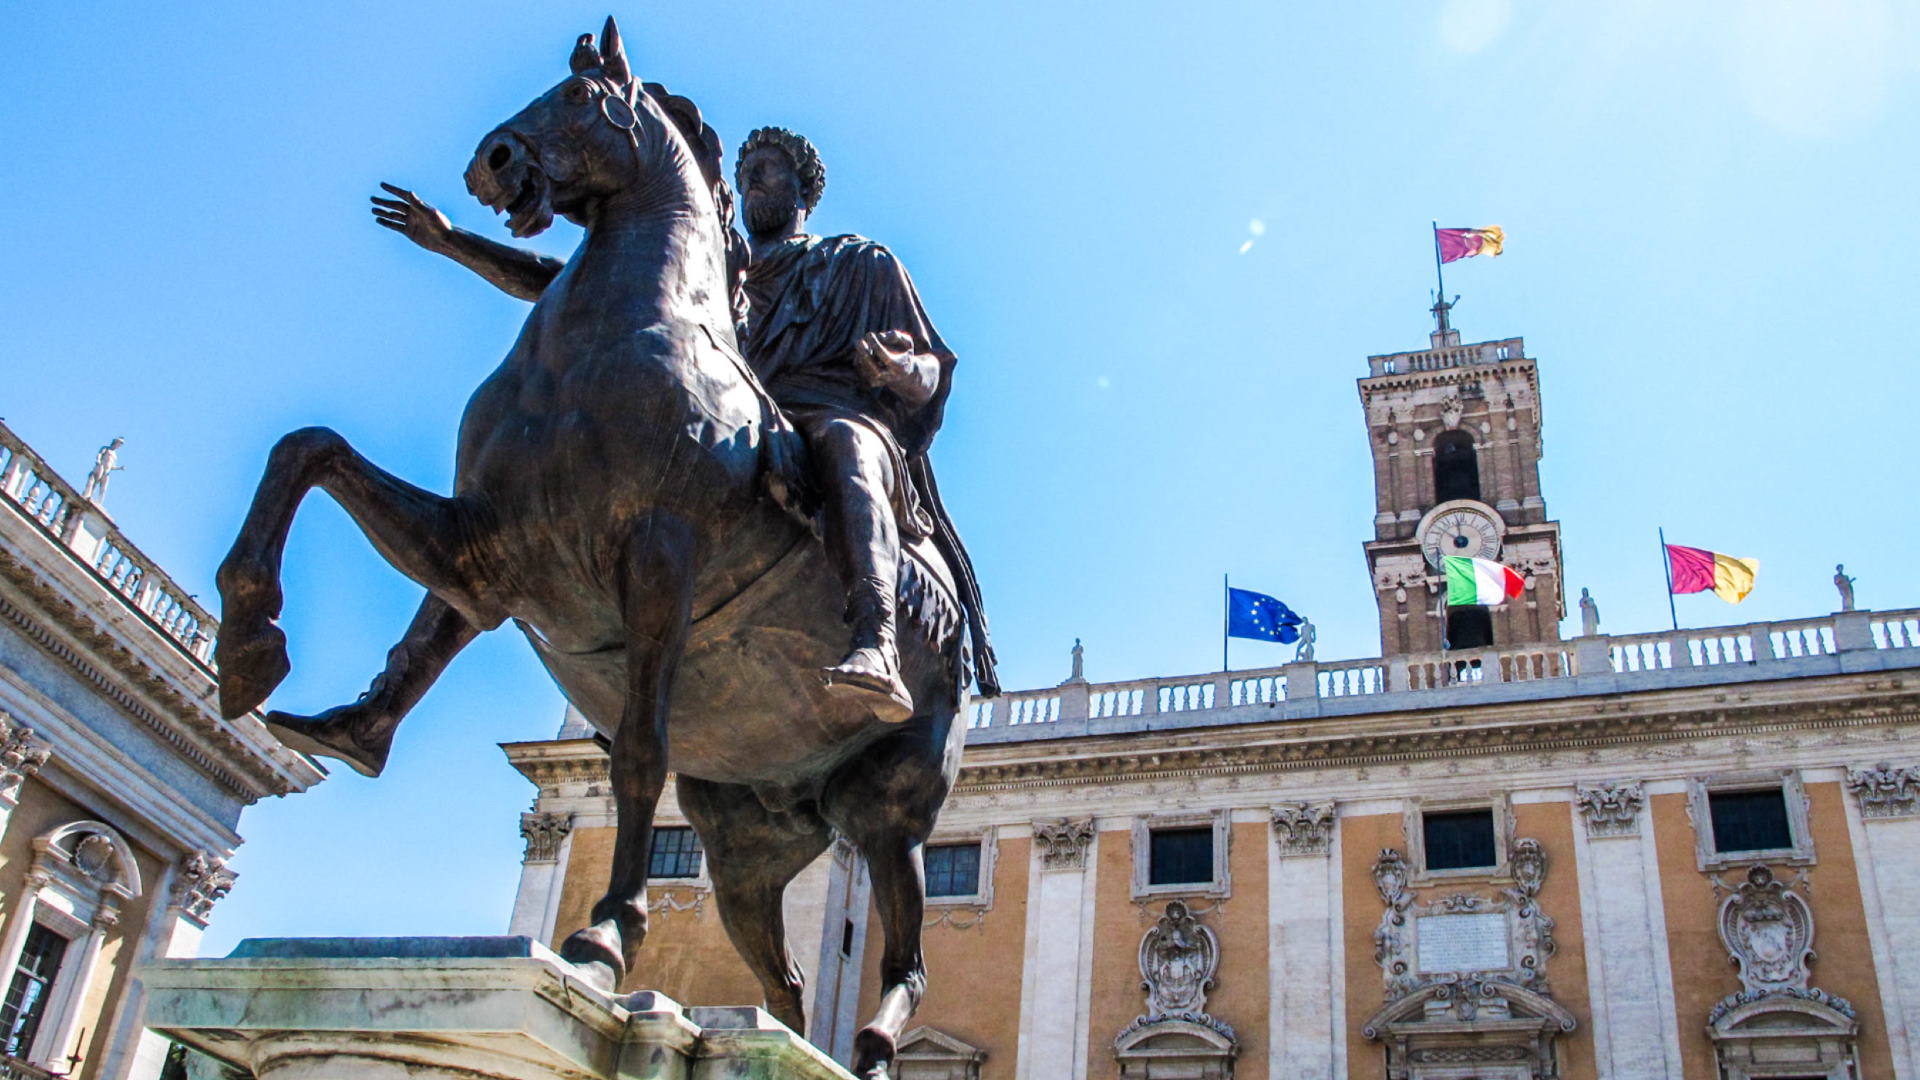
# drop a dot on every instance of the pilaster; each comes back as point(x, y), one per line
point(1635, 1031)
point(1059, 951)
point(1883, 818)
point(1303, 941)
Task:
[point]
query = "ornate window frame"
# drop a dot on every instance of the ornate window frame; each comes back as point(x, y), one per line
point(1418, 806)
point(81, 875)
point(1144, 826)
point(1793, 790)
point(988, 837)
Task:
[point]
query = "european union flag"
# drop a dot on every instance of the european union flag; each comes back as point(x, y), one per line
point(1261, 617)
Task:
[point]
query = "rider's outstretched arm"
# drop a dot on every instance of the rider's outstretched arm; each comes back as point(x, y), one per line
point(514, 271)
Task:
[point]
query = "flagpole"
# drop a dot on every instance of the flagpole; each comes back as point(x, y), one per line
point(1226, 618)
point(1440, 276)
point(1666, 562)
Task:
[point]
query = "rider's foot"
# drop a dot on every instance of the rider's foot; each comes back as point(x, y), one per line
point(872, 676)
point(346, 733)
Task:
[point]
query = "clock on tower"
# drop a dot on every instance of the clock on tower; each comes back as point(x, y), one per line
point(1455, 434)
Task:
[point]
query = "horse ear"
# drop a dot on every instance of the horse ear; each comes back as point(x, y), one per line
point(613, 55)
point(585, 57)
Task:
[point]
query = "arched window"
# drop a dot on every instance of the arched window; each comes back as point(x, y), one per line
point(1456, 468)
point(1469, 627)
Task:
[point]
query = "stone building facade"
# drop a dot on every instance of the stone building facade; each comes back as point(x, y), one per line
point(1689, 855)
point(120, 785)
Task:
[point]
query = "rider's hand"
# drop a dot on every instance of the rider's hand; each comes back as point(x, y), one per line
point(885, 357)
point(410, 216)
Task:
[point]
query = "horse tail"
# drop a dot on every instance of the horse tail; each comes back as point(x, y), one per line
point(707, 152)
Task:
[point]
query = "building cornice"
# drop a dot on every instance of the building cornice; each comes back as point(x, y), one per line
point(64, 630)
point(1370, 741)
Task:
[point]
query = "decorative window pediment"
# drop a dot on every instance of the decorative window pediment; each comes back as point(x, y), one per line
point(1767, 928)
point(1465, 975)
point(928, 1054)
point(1175, 1037)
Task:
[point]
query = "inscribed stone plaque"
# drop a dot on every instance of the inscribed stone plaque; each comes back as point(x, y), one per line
point(1463, 942)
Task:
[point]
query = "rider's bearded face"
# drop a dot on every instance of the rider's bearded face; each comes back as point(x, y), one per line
point(773, 190)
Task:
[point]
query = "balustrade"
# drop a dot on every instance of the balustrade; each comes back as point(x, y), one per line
point(1896, 632)
point(1257, 689)
point(89, 538)
point(1752, 645)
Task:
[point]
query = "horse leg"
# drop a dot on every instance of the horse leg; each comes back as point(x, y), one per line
point(656, 588)
point(886, 802)
point(361, 733)
point(752, 853)
point(421, 534)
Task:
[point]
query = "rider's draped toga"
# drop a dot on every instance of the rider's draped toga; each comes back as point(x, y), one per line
point(811, 299)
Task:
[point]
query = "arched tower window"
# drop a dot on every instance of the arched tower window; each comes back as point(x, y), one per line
point(1456, 468)
point(1469, 626)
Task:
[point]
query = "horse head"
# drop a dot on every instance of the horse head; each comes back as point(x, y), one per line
point(595, 135)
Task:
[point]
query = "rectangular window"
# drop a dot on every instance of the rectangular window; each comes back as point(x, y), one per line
point(1458, 839)
point(1180, 856)
point(1749, 820)
point(953, 869)
point(676, 853)
point(26, 1000)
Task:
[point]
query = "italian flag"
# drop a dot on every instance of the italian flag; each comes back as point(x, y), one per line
point(1480, 581)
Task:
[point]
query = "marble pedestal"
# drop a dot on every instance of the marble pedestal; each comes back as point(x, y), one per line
point(452, 1009)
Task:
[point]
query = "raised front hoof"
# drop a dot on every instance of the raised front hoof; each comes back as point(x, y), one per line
point(861, 678)
point(252, 662)
point(333, 734)
point(595, 958)
point(873, 1052)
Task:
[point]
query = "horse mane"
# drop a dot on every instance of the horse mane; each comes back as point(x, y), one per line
point(707, 152)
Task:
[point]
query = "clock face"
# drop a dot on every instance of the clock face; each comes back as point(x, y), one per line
point(1461, 530)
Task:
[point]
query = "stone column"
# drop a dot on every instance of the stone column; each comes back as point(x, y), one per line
point(1635, 1030)
point(1884, 819)
point(1054, 987)
point(542, 870)
point(1303, 939)
point(173, 931)
point(63, 1018)
point(21, 920)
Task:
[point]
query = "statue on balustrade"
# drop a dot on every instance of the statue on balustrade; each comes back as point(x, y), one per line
point(682, 531)
point(1845, 584)
point(105, 464)
point(1589, 614)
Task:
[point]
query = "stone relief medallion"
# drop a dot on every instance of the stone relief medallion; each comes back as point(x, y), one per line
point(1178, 958)
point(1768, 931)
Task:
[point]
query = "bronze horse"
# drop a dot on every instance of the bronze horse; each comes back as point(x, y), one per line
point(609, 498)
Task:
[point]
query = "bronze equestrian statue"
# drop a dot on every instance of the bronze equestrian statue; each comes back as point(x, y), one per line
point(626, 491)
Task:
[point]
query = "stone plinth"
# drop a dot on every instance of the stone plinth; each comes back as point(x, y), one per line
point(453, 1009)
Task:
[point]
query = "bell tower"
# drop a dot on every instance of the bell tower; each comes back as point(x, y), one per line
point(1455, 432)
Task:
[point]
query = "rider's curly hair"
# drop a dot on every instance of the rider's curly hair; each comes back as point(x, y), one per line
point(806, 161)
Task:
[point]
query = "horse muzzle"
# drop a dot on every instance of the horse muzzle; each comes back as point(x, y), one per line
point(504, 176)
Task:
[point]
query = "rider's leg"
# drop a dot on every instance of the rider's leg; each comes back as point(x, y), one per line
point(864, 543)
point(361, 734)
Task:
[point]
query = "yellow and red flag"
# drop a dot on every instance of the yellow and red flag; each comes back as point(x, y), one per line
point(1463, 243)
point(1698, 570)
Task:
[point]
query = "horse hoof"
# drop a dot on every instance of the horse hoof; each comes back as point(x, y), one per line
point(873, 1051)
point(599, 963)
point(332, 734)
point(251, 664)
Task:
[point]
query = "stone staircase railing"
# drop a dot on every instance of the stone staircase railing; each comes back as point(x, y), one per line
point(31, 488)
point(1402, 681)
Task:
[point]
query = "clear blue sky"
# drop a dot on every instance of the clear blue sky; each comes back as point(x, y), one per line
point(1713, 250)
